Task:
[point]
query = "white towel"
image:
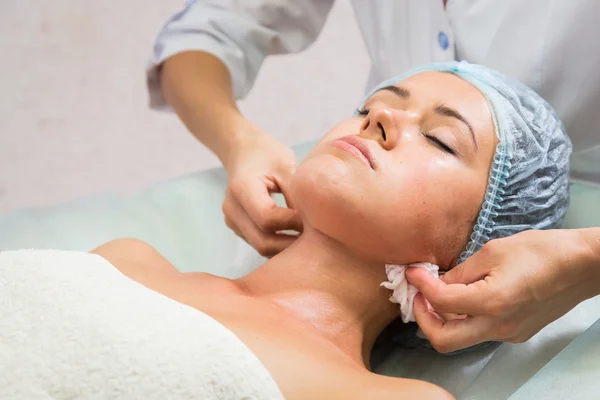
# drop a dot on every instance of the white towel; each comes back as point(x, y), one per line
point(403, 292)
point(73, 327)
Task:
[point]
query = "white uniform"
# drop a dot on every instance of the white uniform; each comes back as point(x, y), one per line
point(553, 46)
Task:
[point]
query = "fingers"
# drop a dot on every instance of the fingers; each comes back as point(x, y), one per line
point(255, 199)
point(267, 244)
point(452, 335)
point(455, 298)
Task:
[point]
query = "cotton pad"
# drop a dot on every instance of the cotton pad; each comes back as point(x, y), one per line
point(403, 293)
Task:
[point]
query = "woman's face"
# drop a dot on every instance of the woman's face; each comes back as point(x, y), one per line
point(404, 182)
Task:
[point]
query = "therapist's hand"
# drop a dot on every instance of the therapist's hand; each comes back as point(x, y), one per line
point(257, 166)
point(509, 290)
point(199, 87)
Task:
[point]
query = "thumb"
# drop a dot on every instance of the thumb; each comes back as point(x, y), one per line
point(422, 280)
point(284, 183)
point(469, 271)
point(286, 218)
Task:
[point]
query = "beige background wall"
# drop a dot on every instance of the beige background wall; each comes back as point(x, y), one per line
point(73, 114)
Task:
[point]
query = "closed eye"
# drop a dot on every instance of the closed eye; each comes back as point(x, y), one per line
point(441, 145)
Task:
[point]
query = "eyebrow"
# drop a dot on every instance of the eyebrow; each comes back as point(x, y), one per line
point(446, 111)
point(398, 91)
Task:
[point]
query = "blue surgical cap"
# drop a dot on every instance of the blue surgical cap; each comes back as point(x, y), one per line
point(528, 186)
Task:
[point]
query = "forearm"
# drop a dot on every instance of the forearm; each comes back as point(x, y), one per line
point(198, 87)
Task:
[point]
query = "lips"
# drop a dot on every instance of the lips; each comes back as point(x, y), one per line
point(358, 147)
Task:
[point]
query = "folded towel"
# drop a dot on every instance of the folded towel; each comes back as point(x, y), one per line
point(73, 327)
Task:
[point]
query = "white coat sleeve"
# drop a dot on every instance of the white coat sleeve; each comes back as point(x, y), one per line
point(241, 33)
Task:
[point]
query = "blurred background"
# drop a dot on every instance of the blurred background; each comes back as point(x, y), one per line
point(74, 119)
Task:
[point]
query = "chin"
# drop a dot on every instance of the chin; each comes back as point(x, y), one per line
point(319, 184)
point(331, 199)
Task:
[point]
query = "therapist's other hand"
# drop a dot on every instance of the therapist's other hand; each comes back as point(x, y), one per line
point(258, 166)
point(508, 291)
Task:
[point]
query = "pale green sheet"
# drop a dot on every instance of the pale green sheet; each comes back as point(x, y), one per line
point(573, 374)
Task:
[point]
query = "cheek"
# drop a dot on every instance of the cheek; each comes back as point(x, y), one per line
point(408, 218)
point(433, 209)
point(452, 198)
point(447, 191)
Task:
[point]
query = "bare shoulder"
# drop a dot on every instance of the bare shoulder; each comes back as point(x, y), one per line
point(142, 263)
point(134, 257)
point(127, 254)
point(395, 388)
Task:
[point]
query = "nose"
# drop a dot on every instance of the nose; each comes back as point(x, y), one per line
point(385, 125)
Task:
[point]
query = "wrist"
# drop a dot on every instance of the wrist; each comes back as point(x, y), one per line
point(230, 133)
point(241, 139)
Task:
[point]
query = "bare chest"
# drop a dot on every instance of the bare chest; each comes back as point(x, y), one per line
point(303, 364)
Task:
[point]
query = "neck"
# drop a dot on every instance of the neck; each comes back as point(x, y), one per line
point(328, 289)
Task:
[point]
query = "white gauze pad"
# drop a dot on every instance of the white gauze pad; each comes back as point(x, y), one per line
point(403, 293)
